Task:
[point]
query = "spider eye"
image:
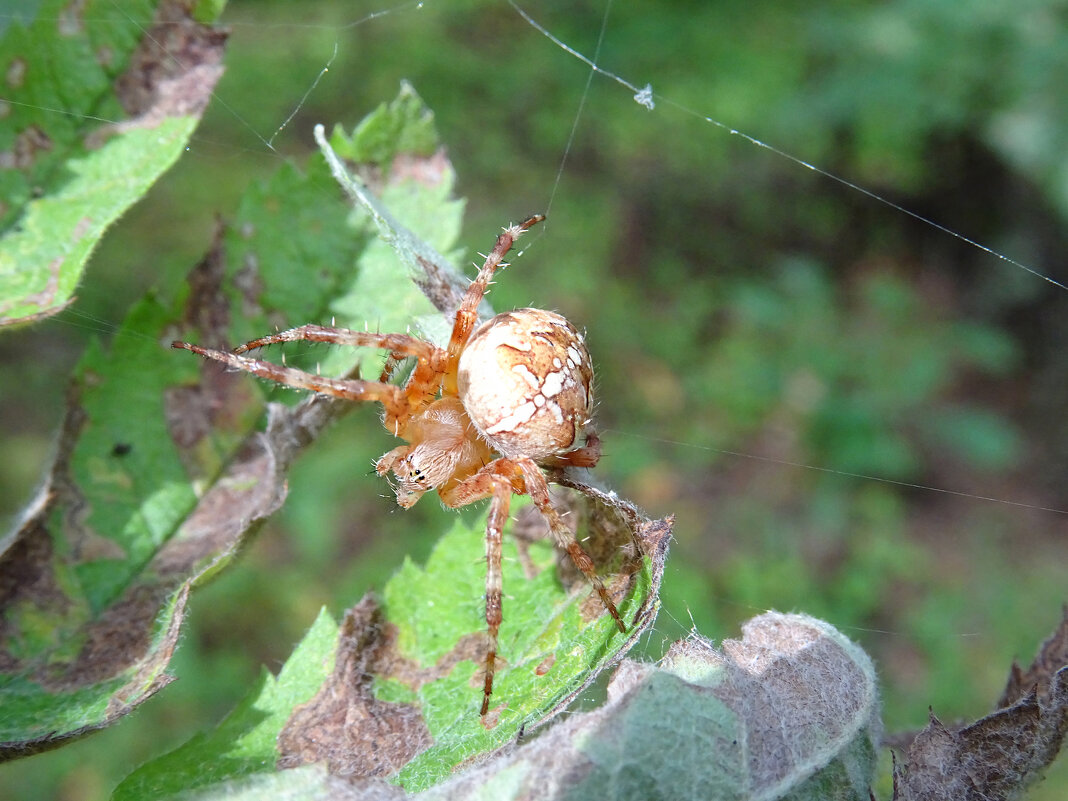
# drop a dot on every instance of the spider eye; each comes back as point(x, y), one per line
point(416, 476)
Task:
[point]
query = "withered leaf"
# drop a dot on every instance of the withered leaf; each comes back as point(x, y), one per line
point(998, 756)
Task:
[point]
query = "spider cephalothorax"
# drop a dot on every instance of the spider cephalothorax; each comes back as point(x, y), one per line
point(479, 417)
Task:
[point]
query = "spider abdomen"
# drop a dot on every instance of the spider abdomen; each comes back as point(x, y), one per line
point(526, 381)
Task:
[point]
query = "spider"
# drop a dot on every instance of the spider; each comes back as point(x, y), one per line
point(479, 417)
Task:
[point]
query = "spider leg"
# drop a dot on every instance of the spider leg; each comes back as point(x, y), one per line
point(467, 314)
point(498, 515)
point(586, 456)
point(497, 480)
point(538, 490)
point(396, 343)
point(424, 381)
point(391, 397)
point(387, 461)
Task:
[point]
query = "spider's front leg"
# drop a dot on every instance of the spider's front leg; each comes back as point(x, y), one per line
point(399, 404)
point(421, 386)
point(467, 314)
point(353, 389)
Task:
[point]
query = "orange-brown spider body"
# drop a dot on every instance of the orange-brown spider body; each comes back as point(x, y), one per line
point(478, 417)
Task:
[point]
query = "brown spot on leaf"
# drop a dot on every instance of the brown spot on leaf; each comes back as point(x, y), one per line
point(426, 170)
point(105, 57)
point(172, 73)
point(193, 412)
point(394, 665)
point(344, 725)
point(146, 682)
point(83, 543)
point(71, 20)
point(119, 637)
point(81, 228)
point(175, 68)
point(27, 145)
point(250, 490)
point(208, 309)
point(490, 721)
point(27, 578)
point(46, 295)
point(249, 283)
point(188, 412)
point(16, 73)
point(545, 665)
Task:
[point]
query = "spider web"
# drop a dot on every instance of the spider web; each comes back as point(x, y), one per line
point(595, 103)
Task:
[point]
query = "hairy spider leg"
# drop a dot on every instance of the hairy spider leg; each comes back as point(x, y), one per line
point(421, 388)
point(392, 397)
point(396, 343)
point(586, 456)
point(495, 520)
point(538, 490)
point(467, 314)
point(498, 480)
point(424, 382)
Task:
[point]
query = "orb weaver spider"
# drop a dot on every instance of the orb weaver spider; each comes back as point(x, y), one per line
point(480, 417)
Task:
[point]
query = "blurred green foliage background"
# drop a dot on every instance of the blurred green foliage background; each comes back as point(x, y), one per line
point(781, 359)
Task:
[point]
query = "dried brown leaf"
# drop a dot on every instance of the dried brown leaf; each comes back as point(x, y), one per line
point(998, 756)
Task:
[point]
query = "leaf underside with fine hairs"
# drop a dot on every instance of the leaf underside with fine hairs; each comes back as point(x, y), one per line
point(790, 711)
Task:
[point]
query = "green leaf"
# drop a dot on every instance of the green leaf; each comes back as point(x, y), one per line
point(554, 639)
point(139, 506)
point(403, 127)
point(131, 99)
point(241, 743)
point(401, 697)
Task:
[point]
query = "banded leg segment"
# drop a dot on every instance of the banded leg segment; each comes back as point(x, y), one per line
point(498, 516)
point(424, 382)
point(467, 314)
point(538, 490)
point(586, 456)
point(497, 480)
point(391, 397)
point(395, 343)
